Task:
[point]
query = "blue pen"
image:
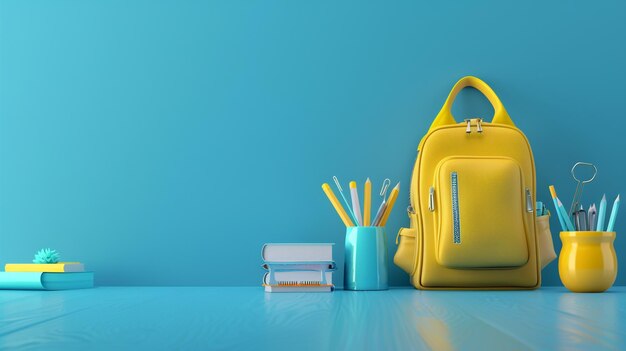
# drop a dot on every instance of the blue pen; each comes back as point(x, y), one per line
point(601, 214)
point(613, 215)
point(345, 201)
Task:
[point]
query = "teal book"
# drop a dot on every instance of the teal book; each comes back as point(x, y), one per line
point(45, 281)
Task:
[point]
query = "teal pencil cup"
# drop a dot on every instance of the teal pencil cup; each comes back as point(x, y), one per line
point(365, 266)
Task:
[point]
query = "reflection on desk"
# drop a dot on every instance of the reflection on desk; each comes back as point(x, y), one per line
point(247, 318)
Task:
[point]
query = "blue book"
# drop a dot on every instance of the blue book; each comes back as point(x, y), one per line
point(45, 281)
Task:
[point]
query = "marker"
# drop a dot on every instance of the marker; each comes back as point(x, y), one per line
point(367, 202)
point(356, 206)
point(601, 214)
point(613, 215)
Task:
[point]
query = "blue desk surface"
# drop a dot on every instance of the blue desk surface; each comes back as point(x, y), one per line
point(246, 318)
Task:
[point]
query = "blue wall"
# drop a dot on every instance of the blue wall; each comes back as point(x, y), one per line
point(163, 142)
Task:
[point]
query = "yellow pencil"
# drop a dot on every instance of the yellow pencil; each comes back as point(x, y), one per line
point(392, 200)
point(333, 200)
point(367, 202)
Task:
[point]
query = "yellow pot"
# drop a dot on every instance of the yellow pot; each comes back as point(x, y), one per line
point(587, 262)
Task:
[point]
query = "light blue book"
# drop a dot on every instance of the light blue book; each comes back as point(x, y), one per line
point(45, 281)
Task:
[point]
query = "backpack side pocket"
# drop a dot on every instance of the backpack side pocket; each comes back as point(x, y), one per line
point(405, 256)
point(544, 241)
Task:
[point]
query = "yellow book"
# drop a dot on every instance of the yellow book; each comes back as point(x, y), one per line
point(45, 267)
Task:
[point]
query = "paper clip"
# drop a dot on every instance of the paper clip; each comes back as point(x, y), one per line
point(579, 187)
point(383, 205)
point(383, 190)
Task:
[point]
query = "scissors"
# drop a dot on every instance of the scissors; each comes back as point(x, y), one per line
point(579, 186)
point(580, 220)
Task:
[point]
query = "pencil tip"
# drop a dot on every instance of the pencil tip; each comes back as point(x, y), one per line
point(552, 191)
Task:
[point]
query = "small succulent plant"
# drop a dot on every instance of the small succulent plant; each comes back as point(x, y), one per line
point(46, 256)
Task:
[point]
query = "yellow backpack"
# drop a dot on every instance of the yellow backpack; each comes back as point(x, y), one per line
point(472, 204)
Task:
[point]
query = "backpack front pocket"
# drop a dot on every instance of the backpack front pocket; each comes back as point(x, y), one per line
point(480, 205)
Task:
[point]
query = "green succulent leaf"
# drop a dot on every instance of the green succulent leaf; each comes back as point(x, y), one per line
point(46, 256)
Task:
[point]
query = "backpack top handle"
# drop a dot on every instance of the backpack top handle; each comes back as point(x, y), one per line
point(444, 117)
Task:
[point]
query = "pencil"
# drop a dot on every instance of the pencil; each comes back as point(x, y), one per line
point(333, 200)
point(356, 206)
point(392, 199)
point(367, 202)
point(614, 210)
point(556, 205)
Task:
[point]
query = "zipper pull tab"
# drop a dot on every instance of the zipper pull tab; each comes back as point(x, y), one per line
point(431, 199)
point(469, 126)
point(529, 201)
point(479, 125)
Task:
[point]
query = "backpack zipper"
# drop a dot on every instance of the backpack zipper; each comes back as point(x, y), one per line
point(454, 185)
point(411, 201)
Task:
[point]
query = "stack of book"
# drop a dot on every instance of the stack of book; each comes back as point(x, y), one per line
point(298, 267)
point(45, 276)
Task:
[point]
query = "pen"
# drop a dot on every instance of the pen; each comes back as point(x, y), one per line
point(345, 201)
point(379, 214)
point(383, 205)
point(601, 214)
point(614, 210)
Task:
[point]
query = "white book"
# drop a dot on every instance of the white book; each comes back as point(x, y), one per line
point(297, 252)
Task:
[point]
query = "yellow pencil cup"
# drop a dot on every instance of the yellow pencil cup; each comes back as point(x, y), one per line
point(587, 262)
